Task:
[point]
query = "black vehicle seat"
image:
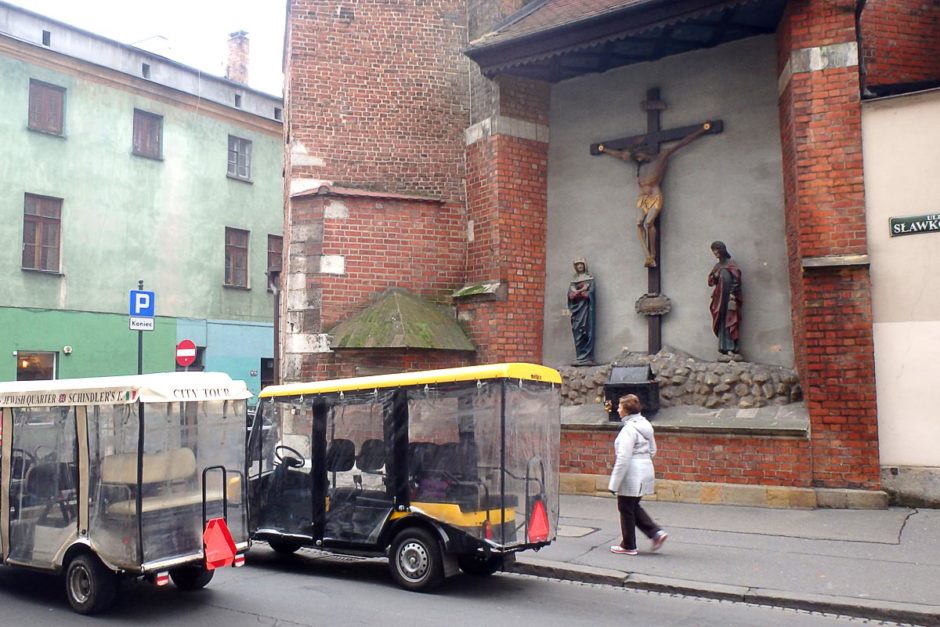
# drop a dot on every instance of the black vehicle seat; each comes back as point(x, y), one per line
point(52, 484)
point(431, 481)
point(340, 457)
point(371, 456)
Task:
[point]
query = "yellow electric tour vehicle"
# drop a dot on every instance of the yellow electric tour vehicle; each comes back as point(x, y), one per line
point(438, 470)
point(123, 476)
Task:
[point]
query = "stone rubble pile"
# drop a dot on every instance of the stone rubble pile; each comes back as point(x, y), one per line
point(685, 380)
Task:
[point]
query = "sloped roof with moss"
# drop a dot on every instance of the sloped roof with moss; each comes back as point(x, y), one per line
point(399, 319)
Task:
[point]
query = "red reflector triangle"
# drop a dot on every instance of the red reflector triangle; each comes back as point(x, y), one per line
point(538, 523)
point(218, 544)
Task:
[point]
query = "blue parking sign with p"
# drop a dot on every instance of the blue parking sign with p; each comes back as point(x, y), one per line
point(142, 304)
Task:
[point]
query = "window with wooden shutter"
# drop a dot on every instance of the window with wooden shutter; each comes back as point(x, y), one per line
point(148, 134)
point(239, 158)
point(41, 227)
point(46, 107)
point(236, 257)
point(275, 248)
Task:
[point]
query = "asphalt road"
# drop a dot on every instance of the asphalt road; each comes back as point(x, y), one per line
point(312, 589)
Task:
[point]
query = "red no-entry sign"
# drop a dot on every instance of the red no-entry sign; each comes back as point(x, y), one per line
point(185, 353)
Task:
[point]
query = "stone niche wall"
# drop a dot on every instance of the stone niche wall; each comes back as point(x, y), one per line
point(685, 380)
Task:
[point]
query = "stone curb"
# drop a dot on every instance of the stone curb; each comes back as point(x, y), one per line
point(564, 570)
point(914, 613)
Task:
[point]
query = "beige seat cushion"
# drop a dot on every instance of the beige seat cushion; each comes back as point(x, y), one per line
point(162, 502)
point(171, 465)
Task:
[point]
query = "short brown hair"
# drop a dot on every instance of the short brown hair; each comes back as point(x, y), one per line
point(631, 402)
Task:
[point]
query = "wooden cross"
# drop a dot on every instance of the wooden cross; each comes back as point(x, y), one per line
point(655, 136)
point(651, 142)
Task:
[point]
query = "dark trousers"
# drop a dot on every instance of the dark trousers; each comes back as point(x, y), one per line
point(631, 517)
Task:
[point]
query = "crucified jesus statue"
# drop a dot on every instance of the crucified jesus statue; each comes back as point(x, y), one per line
point(650, 172)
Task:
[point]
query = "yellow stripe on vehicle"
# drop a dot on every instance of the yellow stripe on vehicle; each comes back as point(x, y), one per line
point(528, 372)
point(450, 513)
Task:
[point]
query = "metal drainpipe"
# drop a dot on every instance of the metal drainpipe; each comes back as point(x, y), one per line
point(862, 74)
point(274, 280)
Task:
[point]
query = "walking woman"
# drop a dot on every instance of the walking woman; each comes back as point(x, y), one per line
point(632, 477)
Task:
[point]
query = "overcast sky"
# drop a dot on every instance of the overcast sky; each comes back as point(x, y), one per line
point(194, 32)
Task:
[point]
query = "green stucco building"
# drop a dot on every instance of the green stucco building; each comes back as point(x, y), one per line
point(116, 166)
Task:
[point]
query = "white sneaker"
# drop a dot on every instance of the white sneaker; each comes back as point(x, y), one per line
point(659, 539)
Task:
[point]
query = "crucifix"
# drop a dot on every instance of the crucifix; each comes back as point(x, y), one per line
point(651, 165)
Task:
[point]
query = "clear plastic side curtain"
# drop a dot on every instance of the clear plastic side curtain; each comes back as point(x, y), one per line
point(359, 494)
point(43, 484)
point(280, 465)
point(533, 433)
point(454, 458)
point(192, 467)
point(112, 455)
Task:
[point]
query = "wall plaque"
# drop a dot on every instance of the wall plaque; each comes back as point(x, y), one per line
point(653, 305)
point(915, 224)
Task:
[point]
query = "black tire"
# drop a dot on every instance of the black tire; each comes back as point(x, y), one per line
point(416, 560)
point(479, 565)
point(89, 585)
point(191, 577)
point(283, 547)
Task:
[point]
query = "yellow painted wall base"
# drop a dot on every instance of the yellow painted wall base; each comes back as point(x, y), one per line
point(736, 494)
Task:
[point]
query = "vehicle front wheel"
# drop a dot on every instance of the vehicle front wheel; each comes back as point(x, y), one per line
point(479, 565)
point(90, 586)
point(416, 560)
point(282, 547)
point(191, 577)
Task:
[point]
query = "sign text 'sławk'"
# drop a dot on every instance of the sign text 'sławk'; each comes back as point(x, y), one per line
point(915, 224)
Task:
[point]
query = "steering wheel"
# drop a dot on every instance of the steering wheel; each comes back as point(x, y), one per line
point(296, 460)
point(45, 453)
point(27, 460)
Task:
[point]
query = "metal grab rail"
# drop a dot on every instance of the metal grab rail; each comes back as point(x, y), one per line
point(205, 495)
point(528, 480)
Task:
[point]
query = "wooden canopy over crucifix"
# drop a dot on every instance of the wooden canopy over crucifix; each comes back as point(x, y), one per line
point(651, 162)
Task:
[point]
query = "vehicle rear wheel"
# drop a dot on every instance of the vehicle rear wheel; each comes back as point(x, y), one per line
point(90, 586)
point(416, 560)
point(479, 565)
point(282, 547)
point(191, 577)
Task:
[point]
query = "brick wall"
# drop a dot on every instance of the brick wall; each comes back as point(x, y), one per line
point(384, 242)
point(379, 94)
point(820, 117)
point(756, 460)
point(507, 190)
point(418, 246)
point(379, 100)
point(840, 383)
point(524, 99)
point(901, 41)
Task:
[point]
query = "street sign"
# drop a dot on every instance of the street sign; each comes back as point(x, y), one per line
point(929, 223)
point(141, 324)
point(142, 304)
point(185, 353)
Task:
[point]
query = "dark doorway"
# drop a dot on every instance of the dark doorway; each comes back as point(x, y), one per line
point(267, 372)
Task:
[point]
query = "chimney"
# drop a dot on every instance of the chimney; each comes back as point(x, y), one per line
point(237, 68)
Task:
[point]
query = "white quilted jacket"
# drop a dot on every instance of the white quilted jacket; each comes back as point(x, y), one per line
point(635, 447)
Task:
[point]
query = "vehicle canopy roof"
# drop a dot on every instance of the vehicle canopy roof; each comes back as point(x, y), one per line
point(164, 387)
point(529, 372)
